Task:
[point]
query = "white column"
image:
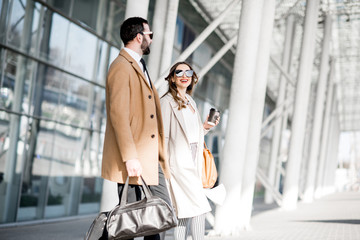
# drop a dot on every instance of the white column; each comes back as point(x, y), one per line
point(335, 147)
point(227, 216)
point(284, 138)
point(291, 188)
point(275, 145)
point(158, 28)
point(256, 112)
point(327, 183)
point(138, 8)
point(167, 46)
point(318, 114)
point(169, 36)
point(325, 132)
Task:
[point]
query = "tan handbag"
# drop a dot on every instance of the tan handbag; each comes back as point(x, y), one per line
point(209, 172)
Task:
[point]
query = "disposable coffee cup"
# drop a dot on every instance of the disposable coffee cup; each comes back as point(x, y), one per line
point(213, 116)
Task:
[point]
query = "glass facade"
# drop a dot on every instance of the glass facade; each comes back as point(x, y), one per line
point(54, 59)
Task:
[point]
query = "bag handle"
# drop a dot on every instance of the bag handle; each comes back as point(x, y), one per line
point(145, 188)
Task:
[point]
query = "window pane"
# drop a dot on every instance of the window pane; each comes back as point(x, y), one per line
point(61, 5)
point(13, 142)
point(86, 12)
point(103, 63)
point(65, 99)
point(65, 171)
point(58, 37)
point(91, 195)
point(16, 23)
point(76, 101)
point(36, 171)
point(80, 52)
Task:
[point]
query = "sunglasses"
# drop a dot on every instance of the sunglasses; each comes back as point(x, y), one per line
point(180, 73)
point(151, 34)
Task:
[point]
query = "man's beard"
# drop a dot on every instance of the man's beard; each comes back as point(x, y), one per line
point(145, 47)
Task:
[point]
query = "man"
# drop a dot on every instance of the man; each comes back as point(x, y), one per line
point(134, 141)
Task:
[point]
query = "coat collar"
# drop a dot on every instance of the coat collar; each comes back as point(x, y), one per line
point(135, 65)
point(179, 116)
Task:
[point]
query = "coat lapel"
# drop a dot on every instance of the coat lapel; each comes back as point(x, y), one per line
point(136, 66)
point(179, 116)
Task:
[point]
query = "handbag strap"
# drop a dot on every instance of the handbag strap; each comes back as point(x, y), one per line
point(145, 188)
point(205, 145)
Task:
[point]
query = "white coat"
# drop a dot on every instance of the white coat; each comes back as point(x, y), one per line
point(185, 183)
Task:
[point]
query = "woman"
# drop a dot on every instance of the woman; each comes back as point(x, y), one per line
point(184, 138)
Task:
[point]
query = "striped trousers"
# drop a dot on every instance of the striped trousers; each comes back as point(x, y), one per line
point(195, 224)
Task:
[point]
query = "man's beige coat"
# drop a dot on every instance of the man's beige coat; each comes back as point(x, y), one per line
point(134, 126)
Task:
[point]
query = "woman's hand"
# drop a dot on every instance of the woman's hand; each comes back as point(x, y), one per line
point(208, 126)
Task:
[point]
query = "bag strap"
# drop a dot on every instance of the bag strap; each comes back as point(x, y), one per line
point(205, 145)
point(145, 188)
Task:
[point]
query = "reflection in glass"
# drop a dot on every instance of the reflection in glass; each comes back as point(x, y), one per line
point(36, 28)
point(62, 5)
point(72, 47)
point(114, 52)
point(58, 37)
point(16, 23)
point(74, 101)
point(80, 51)
point(35, 175)
point(86, 12)
point(65, 173)
point(13, 142)
point(64, 98)
point(104, 51)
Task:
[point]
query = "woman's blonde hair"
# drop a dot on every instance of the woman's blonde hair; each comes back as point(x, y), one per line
point(172, 86)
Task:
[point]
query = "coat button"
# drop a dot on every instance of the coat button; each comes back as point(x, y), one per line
point(149, 96)
point(152, 116)
point(153, 135)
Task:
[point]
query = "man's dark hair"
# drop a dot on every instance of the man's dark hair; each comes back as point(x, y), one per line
point(131, 27)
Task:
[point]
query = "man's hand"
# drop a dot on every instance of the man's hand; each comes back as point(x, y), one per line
point(133, 168)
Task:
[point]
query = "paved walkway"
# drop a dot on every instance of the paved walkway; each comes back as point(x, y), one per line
point(335, 217)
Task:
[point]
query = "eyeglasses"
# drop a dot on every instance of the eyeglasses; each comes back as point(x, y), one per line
point(180, 73)
point(151, 34)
